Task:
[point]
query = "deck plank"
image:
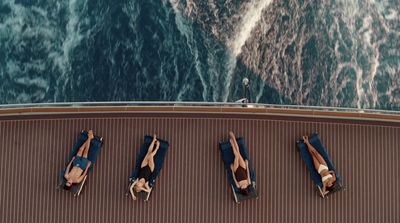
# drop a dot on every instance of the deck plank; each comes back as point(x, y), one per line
point(192, 186)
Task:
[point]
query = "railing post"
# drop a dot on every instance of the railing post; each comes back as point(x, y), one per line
point(246, 89)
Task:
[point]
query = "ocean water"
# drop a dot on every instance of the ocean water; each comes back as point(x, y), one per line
point(308, 52)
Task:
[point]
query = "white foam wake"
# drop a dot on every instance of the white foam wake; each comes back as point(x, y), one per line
point(250, 19)
point(72, 39)
point(187, 31)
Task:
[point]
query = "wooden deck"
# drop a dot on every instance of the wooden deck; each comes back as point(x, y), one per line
point(192, 186)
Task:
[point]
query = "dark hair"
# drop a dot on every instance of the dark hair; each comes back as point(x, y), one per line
point(335, 187)
point(66, 187)
point(245, 191)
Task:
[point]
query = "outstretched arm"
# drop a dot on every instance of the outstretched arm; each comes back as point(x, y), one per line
point(248, 172)
point(68, 167)
point(131, 189)
point(146, 187)
point(84, 173)
point(234, 178)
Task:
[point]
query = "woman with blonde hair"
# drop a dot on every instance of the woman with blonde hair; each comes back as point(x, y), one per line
point(146, 170)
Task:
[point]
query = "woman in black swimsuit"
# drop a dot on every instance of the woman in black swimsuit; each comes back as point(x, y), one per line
point(239, 167)
point(146, 169)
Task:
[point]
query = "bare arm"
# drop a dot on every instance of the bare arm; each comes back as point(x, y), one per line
point(146, 187)
point(234, 178)
point(248, 172)
point(68, 168)
point(84, 173)
point(131, 189)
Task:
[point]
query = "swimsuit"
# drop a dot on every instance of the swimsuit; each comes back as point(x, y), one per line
point(145, 173)
point(322, 168)
point(240, 174)
point(80, 162)
point(325, 178)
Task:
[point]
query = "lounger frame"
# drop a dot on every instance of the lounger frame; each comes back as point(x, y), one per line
point(159, 159)
point(318, 145)
point(76, 189)
point(237, 196)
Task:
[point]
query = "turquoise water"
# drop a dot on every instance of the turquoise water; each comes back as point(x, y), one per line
point(330, 53)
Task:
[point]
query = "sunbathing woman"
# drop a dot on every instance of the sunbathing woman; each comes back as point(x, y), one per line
point(80, 164)
point(328, 176)
point(146, 169)
point(239, 167)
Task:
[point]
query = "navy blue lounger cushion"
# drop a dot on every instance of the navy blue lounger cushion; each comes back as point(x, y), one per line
point(228, 157)
point(158, 159)
point(315, 140)
point(95, 146)
point(94, 150)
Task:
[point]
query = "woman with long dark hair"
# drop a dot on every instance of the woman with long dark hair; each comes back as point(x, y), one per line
point(239, 167)
point(328, 176)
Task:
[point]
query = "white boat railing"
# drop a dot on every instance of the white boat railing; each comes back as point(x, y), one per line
point(193, 104)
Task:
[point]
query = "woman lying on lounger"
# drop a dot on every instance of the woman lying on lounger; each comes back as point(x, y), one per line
point(146, 169)
point(239, 167)
point(328, 176)
point(79, 163)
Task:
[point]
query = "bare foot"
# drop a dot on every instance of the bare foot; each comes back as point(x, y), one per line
point(232, 135)
point(305, 138)
point(157, 145)
point(156, 149)
point(90, 134)
point(231, 142)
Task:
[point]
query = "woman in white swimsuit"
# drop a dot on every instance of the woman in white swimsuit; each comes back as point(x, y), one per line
point(328, 176)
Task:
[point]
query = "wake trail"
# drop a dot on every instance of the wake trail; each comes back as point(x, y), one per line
point(187, 31)
point(250, 19)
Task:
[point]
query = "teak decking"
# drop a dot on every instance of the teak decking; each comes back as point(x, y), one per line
point(192, 186)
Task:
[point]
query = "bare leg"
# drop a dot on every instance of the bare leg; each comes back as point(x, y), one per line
point(238, 157)
point(317, 158)
point(82, 149)
point(87, 143)
point(86, 151)
point(151, 157)
point(145, 161)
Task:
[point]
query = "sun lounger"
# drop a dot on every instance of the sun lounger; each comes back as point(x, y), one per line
point(228, 158)
point(315, 140)
point(95, 146)
point(158, 162)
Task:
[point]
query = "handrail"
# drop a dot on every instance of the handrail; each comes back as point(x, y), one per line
point(193, 103)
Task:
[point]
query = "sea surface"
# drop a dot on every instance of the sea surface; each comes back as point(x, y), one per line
point(308, 52)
